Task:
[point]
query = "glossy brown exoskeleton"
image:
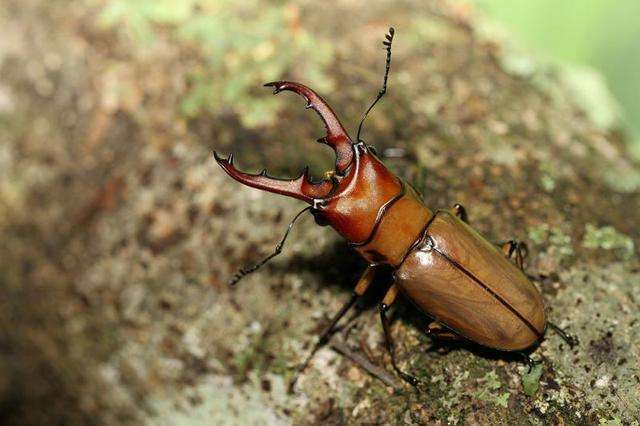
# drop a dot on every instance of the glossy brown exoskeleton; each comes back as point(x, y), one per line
point(466, 284)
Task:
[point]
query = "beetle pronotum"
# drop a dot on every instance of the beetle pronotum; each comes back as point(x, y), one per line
point(469, 286)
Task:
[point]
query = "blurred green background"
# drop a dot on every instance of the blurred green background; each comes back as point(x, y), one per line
point(579, 36)
point(602, 34)
point(118, 233)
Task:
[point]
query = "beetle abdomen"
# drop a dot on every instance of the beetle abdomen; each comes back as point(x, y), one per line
point(465, 282)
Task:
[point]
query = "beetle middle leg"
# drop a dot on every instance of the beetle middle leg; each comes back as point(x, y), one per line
point(389, 298)
point(360, 288)
point(571, 340)
point(437, 331)
point(509, 248)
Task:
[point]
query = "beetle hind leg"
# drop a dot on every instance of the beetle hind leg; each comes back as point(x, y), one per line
point(517, 248)
point(460, 212)
point(529, 361)
point(389, 298)
point(571, 340)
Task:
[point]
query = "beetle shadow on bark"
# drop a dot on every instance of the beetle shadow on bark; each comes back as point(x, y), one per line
point(339, 266)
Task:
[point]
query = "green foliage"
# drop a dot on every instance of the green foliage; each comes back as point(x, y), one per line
point(602, 34)
point(240, 45)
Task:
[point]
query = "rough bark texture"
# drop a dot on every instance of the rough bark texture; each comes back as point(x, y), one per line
point(118, 232)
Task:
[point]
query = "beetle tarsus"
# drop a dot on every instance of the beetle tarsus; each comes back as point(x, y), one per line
point(529, 361)
point(571, 340)
point(437, 331)
point(520, 249)
point(413, 381)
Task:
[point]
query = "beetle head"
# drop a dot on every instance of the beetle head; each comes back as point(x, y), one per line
point(348, 198)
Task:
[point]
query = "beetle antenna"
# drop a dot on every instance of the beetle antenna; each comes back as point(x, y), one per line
point(248, 270)
point(387, 43)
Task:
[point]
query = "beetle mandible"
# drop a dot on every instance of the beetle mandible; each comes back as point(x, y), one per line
point(469, 286)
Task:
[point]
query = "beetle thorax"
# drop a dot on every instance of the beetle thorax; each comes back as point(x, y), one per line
point(365, 206)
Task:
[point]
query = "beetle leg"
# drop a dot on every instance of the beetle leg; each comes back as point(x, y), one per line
point(438, 331)
point(359, 290)
point(246, 271)
point(571, 340)
point(460, 212)
point(529, 361)
point(511, 247)
point(389, 298)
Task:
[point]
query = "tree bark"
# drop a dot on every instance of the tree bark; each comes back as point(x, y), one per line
point(119, 232)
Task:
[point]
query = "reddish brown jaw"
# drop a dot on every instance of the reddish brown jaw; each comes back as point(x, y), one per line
point(301, 187)
point(337, 137)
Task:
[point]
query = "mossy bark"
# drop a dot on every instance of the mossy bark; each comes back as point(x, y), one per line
point(119, 232)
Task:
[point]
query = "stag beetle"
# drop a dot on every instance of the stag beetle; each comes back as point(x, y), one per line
point(469, 286)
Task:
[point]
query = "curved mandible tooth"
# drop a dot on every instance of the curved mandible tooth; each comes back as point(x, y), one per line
point(300, 187)
point(337, 137)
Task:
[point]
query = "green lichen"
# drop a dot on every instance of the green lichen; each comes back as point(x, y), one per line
point(451, 395)
point(531, 380)
point(237, 62)
point(622, 177)
point(557, 242)
point(547, 182)
point(610, 422)
point(500, 151)
point(538, 234)
point(492, 383)
point(548, 176)
point(590, 89)
point(608, 238)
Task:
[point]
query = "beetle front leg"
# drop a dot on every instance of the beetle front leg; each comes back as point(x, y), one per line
point(359, 290)
point(389, 298)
